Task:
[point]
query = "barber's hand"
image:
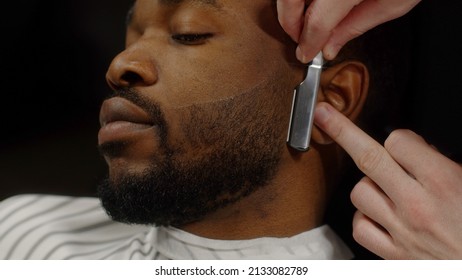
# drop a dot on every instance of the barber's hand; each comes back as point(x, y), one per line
point(410, 202)
point(329, 24)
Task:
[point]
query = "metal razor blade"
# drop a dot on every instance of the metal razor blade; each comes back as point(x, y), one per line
point(304, 101)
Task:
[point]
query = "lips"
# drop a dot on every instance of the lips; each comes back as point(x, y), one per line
point(122, 120)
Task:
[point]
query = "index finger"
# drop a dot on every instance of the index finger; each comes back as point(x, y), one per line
point(290, 15)
point(370, 157)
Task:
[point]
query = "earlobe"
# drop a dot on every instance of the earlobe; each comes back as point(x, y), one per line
point(345, 86)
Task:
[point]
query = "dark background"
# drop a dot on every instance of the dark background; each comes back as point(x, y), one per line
point(54, 56)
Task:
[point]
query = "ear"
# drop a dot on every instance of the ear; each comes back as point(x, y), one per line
point(345, 86)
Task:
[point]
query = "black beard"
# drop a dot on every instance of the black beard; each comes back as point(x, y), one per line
point(247, 147)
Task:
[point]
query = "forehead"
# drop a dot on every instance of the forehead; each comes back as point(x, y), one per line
point(217, 5)
point(202, 2)
point(232, 12)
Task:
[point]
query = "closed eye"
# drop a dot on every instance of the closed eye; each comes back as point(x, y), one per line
point(191, 38)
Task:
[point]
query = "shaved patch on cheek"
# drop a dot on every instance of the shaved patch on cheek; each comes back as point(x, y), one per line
point(207, 95)
point(220, 77)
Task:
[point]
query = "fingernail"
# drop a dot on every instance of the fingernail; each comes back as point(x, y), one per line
point(300, 56)
point(331, 51)
point(321, 114)
point(280, 8)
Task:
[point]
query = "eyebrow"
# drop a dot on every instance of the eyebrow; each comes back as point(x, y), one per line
point(210, 3)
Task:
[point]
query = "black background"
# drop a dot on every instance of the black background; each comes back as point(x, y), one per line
point(54, 55)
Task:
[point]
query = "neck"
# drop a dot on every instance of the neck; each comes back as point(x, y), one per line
point(292, 203)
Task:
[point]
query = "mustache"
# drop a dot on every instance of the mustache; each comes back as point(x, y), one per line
point(151, 107)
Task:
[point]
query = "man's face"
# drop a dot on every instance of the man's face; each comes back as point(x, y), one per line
point(200, 110)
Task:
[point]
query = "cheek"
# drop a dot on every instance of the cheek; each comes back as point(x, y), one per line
point(252, 113)
point(216, 75)
point(206, 82)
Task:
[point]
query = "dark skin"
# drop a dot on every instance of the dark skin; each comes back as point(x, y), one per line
point(234, 53)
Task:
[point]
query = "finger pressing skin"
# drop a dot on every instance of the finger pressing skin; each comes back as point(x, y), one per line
point(370, 157)
point(290, 15)
point(321, 17)
point(362, 18)
point(420, 159)
point(370, 200)
point(372, 237)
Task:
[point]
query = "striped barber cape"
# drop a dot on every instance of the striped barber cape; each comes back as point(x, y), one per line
point(60, 227)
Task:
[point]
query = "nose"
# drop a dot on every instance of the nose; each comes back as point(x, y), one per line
point(132, 67)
